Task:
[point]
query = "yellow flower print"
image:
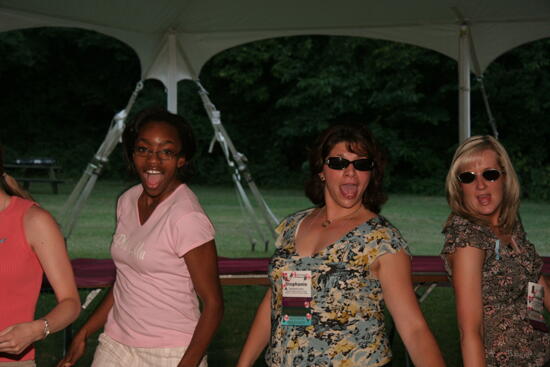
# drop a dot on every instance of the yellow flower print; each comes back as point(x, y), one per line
point(293, 344)
point(344, 363)
point(276, 273)
point(366, 258)
point(379, 234)
point(342, 347)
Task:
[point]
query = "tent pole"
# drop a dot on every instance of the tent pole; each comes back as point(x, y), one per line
point(172, 80)
point(236, 160)
point(81, 192)
point(464, 84)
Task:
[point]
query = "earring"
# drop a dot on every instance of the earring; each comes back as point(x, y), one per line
point(322, 178)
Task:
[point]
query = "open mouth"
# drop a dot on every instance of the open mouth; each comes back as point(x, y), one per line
point(484, 199)
point(349, 191)
point(153, 178)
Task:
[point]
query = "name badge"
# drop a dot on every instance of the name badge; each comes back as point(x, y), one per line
point(296, 298)
point(535, 306)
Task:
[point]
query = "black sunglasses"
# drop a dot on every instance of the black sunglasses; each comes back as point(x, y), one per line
point(339, 163)
point(488, 175)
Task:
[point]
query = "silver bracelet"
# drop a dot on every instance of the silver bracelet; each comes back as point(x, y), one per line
point(46, 328)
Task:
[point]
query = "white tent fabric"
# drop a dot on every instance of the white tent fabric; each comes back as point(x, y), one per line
point(203, 28)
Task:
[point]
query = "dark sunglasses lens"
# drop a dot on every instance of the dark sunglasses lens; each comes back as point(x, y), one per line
point(364, 164)
point(467, 177)
point(491, 175)
point(337, 163)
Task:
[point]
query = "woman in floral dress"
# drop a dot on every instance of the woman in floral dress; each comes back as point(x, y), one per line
point(495, 270)
point(334, 267)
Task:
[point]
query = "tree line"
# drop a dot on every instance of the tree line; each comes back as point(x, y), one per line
point(61, 88)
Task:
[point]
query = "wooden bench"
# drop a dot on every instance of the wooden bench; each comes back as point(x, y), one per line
point(32, 170)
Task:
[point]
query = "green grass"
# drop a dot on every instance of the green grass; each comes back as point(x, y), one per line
point(420, 219)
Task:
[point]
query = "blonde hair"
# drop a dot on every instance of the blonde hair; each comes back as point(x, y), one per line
point(469, 151)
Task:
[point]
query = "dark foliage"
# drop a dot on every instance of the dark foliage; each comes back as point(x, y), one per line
point(61, 88)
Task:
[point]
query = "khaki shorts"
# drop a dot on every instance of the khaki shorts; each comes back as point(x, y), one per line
point(18, 364)
point(110, 353)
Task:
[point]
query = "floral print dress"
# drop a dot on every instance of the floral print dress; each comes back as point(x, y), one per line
point(510, 340)
point(347, 308)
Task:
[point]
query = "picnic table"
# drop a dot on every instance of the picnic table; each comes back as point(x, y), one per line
point(27, 171)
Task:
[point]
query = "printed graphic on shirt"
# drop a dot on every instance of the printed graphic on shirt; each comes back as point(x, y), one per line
point(120, 241)
point(2, 240)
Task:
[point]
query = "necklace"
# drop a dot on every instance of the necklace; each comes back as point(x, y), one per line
point(327, 222)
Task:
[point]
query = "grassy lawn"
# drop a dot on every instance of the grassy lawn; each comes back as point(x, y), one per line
point(419, 218)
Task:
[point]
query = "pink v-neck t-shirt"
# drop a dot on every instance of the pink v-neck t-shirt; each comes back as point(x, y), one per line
point(155, 303)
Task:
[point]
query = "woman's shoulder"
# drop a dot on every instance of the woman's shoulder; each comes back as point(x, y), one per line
point(461, 232)
point(289, 222)
point(183, 206)
point(457, 222)
point(38, 220)
point(380, 232)
point(131, 194)
point(381, 224)
point(295, 217)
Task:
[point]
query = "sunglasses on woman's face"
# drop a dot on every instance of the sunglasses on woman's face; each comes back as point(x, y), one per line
point(339, 163)
point(488, 175)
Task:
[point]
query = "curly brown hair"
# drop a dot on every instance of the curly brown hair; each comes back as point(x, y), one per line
point(359, 140)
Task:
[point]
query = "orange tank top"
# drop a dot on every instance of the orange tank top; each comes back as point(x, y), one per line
point(20, 272)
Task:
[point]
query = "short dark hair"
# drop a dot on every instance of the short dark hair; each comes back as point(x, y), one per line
point(359, 140)
point(185, 134)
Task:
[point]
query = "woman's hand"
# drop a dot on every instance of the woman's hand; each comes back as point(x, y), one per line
point(76, 350)
point(95, 322)
point(16, 338)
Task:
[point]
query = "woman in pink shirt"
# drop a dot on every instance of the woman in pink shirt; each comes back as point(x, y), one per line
point(165, 256)
point(30, 245)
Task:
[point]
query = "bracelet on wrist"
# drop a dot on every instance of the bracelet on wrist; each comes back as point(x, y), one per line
point(46, 328)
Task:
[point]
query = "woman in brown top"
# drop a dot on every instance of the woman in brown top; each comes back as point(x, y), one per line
point(491, 262)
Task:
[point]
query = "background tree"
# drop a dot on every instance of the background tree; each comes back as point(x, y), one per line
point(62, 87)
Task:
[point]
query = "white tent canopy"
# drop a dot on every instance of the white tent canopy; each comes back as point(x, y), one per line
point(203, 28)
point(175, 38)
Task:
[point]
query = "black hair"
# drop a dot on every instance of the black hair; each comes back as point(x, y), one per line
point(185, 134)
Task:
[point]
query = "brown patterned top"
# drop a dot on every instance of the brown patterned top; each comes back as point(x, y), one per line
point(510, 340)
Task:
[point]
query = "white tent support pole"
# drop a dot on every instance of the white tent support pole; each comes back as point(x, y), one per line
point(240, 159)
point(464, 124)
point(229, 148)
point(490, 115)
point(83, 188)
point(172, 81)
point(247, 229)
point(71, 220)
point(243, 198)
point(477, 71)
